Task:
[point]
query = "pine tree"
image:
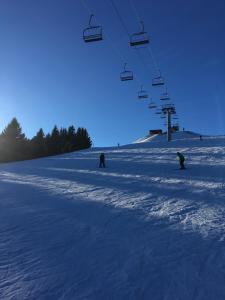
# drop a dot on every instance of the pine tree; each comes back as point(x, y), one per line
point(38, 144)
point(63, 134)
point(54, 143)
point(14, 143)
point(13, 131)
point(71, 136)
point(82, 140)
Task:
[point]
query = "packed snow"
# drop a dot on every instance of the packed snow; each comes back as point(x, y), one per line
point(138, 229)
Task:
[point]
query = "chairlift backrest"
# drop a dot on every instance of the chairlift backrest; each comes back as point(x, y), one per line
point(92, 33)
point(139, 38)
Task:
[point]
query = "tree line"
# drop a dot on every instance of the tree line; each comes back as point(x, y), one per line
point(14, 145)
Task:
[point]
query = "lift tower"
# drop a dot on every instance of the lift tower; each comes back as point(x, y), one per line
point(168, 110)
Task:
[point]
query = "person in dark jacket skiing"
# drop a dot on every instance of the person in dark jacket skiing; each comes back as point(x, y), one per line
point(102, 160)
point(181, 160)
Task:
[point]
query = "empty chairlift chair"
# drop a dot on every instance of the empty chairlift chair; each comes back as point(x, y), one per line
point(152, 105)
point(142, 94)
point(158, 80)
point(158, 112)
point(165, 96)
point(126, 75)
point(92, 33)
point(139, 38)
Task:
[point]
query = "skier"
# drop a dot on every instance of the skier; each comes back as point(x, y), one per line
point(200, 137)
point(102, 160)
point(181, 160)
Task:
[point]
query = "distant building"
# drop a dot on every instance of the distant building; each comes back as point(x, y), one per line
point(175, 128)
point(155, 131)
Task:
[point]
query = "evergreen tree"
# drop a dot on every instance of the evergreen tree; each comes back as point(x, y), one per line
point(14, 143)
point(54, 145)
point(82, 140)
point(63, 134)
point(38, 144)
point(13, 131)
point(15, 146)
point(71, 138)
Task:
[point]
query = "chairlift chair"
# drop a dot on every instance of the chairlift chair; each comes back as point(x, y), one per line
point(139, 38)
point(165, 96)
point(152, 105)
point(158, 80)
point(142, 94)
point(92, 33)
point(158, 112)
point(168, 106)
point(126, 75)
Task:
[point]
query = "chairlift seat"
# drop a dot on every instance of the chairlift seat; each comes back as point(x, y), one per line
point(126, 75)
point(139, 39)
point(152, 105)
point(92, 34)
point(165, 97)
point(142, 94)
point(157, 81)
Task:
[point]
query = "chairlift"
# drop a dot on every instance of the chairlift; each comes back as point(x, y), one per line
point(158, 80)
point(152, 105)
point(142, 94)
point(165, 96)
point(92, 33)
point(126, 75)
point(168, 106)
point(158, 111)
point(139, 38)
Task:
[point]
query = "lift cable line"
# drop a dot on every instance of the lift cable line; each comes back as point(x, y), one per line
point(126, 29)
point(119, 17)
point(158, 80)
point(137, 16)
point(112, 45)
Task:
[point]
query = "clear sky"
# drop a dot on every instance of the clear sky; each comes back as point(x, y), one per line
point(49, 76)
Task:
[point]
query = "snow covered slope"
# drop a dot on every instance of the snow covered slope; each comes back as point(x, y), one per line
point(179, 135)
point(139, 229)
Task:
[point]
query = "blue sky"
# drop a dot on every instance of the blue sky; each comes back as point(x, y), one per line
point(49, 76)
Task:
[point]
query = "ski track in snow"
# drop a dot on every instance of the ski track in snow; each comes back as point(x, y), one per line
point(139, 229)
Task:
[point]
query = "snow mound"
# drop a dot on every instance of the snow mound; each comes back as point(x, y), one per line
point(138, 229)
point(179, 135)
